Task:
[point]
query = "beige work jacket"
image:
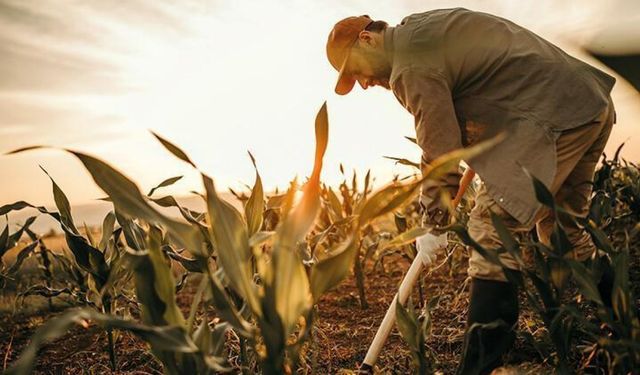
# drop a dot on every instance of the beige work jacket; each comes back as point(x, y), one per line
point(467, 76)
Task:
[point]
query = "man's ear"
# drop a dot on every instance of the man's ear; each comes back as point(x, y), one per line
point(366, 38)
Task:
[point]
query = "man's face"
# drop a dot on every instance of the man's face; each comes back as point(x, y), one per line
point(369, 66)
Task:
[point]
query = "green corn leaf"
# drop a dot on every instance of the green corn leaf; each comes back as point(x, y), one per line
point(170, 338)
point(45, 291)
point(623, 305)
point(405, 238)
point(597, 235)
point(4, 241)
point(174, 150)
point(191, 265)
point(275, 201)
point(544, 290)
point(305, 213)
point(322, 138)
point(510, 244)
point(407, 325)
point(386, 200)
point(168, 182)
point(23, 149)
point(328, 272)
point(229, 235)
point(62, 203)
point(291, 284)
point(134, 235)
point(505, 235)
point(491, 256)
point(301, 219)
point(21, 257)
point(288, 277)
point(202, 337)
point(403, 161)
point(559, 272)
point(128, 200)
point(270, 323)
point(560, 241)
point(155, 285)
point(260, 238)
point(15, 237)
point(89, 236)
point(255, 205)
point(451, 160)
point(9, 241)
point(335, 207)
point(288, 198)
point(412, 140)
point(107, 230)
point(218, 337)
point(193, 217)
point(164, 282)
point(367, 182)
point(125, 195)
point(400, 222)
point(354, 182)
point(88, 258)
point(226, 308)
point(390, 198)
point(543, 195)
point(17, 206)
point(297, 223)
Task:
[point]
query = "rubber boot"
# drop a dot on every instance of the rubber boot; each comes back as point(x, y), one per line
point(605, 285)
point(492, 316)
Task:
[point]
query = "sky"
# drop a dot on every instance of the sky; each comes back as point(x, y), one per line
point(221, 78)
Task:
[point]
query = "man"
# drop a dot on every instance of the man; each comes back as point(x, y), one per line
point(467, 76)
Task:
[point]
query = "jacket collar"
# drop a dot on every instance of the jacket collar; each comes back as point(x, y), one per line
point(388, 43)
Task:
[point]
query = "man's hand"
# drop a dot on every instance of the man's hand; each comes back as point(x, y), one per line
point(429, 245)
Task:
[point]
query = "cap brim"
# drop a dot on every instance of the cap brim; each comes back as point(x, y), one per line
point(344, 85)
point(345, 82)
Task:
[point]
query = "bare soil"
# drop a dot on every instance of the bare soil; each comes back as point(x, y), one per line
point(340, 340)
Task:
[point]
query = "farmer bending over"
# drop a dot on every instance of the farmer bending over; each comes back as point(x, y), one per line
point(467, 76)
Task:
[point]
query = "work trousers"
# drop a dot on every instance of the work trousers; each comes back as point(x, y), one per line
point(578, 152)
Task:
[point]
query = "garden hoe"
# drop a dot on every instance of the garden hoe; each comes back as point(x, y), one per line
point(405, 289)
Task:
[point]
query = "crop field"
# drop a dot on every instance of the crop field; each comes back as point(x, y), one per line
point(298, 281)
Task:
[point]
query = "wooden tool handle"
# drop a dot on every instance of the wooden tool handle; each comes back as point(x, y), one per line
point(406, 285)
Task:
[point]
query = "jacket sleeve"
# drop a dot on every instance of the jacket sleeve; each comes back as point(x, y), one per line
point(427, 96)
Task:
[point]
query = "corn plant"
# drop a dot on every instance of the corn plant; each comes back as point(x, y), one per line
point(281, 301)
point(9, 241)
point(248, 281)
point(616, 187)
point(176, 342)
point(338, 219)
point(105, 279)
point(250, 264)
point(342, 216)
point(415, 329)
point(546, 282)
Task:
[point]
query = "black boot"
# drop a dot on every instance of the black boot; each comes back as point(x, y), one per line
point(493, 313)
point(605, 285)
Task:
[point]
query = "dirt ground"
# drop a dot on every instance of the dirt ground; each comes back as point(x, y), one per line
point(342, 335)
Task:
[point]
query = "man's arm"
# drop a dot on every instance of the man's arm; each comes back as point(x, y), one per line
point(427, 96)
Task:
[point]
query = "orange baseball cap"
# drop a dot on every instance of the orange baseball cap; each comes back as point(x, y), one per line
point(341, 39)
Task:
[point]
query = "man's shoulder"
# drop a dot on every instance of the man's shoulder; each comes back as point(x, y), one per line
point(429, 29)
point(436, 14)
